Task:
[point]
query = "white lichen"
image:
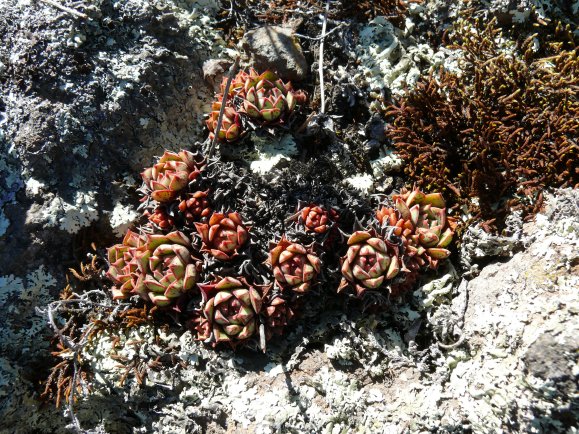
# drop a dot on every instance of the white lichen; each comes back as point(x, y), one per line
point(386, 164)
point(34, 187)
point(437, 289)
point(270, 151)
point(70, 216)
point(362, 182)
point(390, 57)
point(33, 289)
point(122, 217)
point(4, 223)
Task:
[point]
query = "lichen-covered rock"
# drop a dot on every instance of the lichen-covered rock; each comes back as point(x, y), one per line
point(88, 100)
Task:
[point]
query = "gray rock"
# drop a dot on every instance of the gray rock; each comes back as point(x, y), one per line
point(552, 358)
point(276, 48)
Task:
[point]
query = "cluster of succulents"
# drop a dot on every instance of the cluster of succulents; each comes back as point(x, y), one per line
point(158, 267)
point(169, 186)
point(412, 236)
point(253, 100)
point(235, 288)
point(316, 218)
point(187, 251)
point(191, 259)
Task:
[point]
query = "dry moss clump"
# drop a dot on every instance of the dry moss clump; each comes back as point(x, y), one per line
point(493, 136)
point(82, 312)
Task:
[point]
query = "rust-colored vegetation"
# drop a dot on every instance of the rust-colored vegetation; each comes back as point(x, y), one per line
point(494, 136)
point(83, 311)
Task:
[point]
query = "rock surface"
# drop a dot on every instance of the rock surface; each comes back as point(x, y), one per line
point(276, 48)
point(86, 103)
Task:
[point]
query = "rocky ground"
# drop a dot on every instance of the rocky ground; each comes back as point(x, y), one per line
point(488, 343)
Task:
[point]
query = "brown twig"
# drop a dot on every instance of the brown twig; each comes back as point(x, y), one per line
point(70, 347)
point(231, 74)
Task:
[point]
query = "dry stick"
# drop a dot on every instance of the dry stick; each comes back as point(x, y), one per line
point(65, 9)
point(222, 110)
point(321, 61)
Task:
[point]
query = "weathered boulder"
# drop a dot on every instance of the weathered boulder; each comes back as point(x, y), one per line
point(276, 48)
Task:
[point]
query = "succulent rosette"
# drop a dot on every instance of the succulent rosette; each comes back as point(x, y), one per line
point(161, 218)
point(172, 269)
point(317, 219)
point(230, 311)
point(171, 174)
point(294, 266)
point(126, 264)
point(195, 206)
point(368, 263)
point(263, 98)
point(421, 222)
point(267, 98)
point(278, 313)
point(230, 123)
point(223, 235)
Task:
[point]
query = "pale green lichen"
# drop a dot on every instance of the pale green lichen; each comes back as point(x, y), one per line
point(362, 183)
point(71, 216)
point(122, 218)
point(269, 151)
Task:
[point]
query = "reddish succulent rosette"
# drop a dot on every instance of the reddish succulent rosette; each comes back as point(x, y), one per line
point(230, 311)
point(265, 99)
point(278, 315)
point(171, 174)
point(161, 218)
point(195, 206)
point(421, 222)
point(125, 264)
point(368, 263)
point(223, 235)
point(230, 123)
point(317, 219)
point(294, 266)
point(172, 269)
